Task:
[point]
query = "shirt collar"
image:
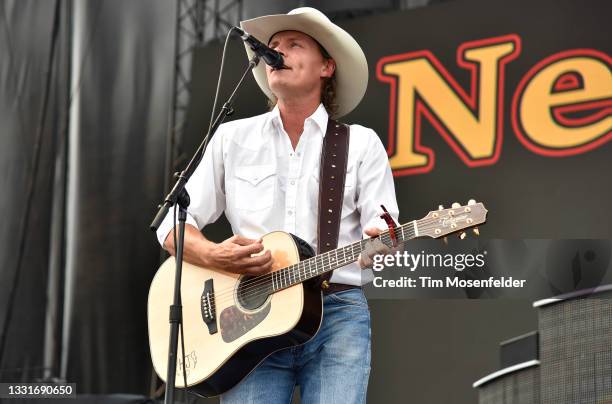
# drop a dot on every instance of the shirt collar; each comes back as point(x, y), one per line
point(319, 117)
point(274, 118)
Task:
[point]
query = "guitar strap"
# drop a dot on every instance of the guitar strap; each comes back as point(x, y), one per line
point(332, 175)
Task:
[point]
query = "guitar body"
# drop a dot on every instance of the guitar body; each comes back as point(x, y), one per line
point(233, 322)
point(219, 353)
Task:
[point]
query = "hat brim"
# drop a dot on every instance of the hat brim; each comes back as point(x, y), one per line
point(351, 63)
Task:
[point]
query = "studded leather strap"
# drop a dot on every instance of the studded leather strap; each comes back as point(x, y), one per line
point(332, 175)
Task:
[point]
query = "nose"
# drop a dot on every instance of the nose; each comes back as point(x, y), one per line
point(278, 49)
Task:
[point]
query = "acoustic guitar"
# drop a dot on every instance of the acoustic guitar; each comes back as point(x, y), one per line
point(232, 322)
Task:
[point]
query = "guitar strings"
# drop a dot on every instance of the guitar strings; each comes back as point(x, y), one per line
point(426, 225)
point(261, 284)
point(265, 280)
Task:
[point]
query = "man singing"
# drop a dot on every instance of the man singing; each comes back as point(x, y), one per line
point(263, 172)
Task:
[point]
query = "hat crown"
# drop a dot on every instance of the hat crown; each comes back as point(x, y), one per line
point(310, 10)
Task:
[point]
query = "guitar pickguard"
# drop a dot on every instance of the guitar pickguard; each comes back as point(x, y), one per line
point(234, 323)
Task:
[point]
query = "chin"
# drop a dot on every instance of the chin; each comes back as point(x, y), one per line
point(280, 87)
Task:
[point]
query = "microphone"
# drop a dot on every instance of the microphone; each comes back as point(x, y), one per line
point(269, 55)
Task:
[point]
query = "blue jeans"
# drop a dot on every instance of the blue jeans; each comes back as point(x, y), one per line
point(333, 367)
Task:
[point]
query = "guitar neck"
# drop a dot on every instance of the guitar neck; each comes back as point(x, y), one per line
point(328, 261)
point(435, 225)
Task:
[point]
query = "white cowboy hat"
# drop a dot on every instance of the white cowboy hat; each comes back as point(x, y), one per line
point(351, 63)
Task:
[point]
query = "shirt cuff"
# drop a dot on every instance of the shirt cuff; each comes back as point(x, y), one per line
point(167, 225)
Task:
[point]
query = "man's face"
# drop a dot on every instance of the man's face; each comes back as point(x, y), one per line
point(306, 66)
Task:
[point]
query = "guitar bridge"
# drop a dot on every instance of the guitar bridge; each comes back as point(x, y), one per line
point(207, 307)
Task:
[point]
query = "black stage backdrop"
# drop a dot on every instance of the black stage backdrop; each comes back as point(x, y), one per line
point(33, 98)
point(124, 104)
point(123, 54)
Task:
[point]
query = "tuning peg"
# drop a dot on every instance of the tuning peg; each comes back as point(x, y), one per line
point(440, 207)
point(476, 231)
point(456, 205)
point(445, 239)
point(462, 235)
point(471, 202)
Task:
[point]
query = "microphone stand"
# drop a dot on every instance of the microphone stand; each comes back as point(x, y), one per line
point(179, 196)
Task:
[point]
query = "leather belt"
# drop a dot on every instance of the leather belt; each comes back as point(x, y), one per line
point(338, 287)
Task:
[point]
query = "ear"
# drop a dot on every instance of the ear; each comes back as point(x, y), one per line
point(329, 67)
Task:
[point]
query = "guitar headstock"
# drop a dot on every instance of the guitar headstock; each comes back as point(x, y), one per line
point(441, 222)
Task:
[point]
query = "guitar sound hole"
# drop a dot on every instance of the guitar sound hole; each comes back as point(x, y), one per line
point(252, 293)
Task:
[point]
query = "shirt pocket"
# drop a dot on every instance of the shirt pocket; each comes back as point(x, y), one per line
point(254, 187)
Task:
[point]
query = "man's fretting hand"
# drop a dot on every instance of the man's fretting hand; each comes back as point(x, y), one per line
point(373, 247)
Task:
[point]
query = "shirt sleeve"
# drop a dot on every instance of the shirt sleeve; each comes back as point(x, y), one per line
point(206, 189)
point(375, 185)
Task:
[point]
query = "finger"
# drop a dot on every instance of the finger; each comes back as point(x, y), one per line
point(259, 269)
point(367, 254)
point(372, 248)
point(398, 247)
point(364, 260)
point(372, 231)
point(361, 263)
point(240, 240)
point(263, 259)
point(380, 247)
point(375, 246)
point(248, 250)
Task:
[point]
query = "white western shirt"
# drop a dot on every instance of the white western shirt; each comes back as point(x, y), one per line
point(251, 172)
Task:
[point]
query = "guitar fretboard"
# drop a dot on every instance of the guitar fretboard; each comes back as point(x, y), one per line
point(328, 261)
